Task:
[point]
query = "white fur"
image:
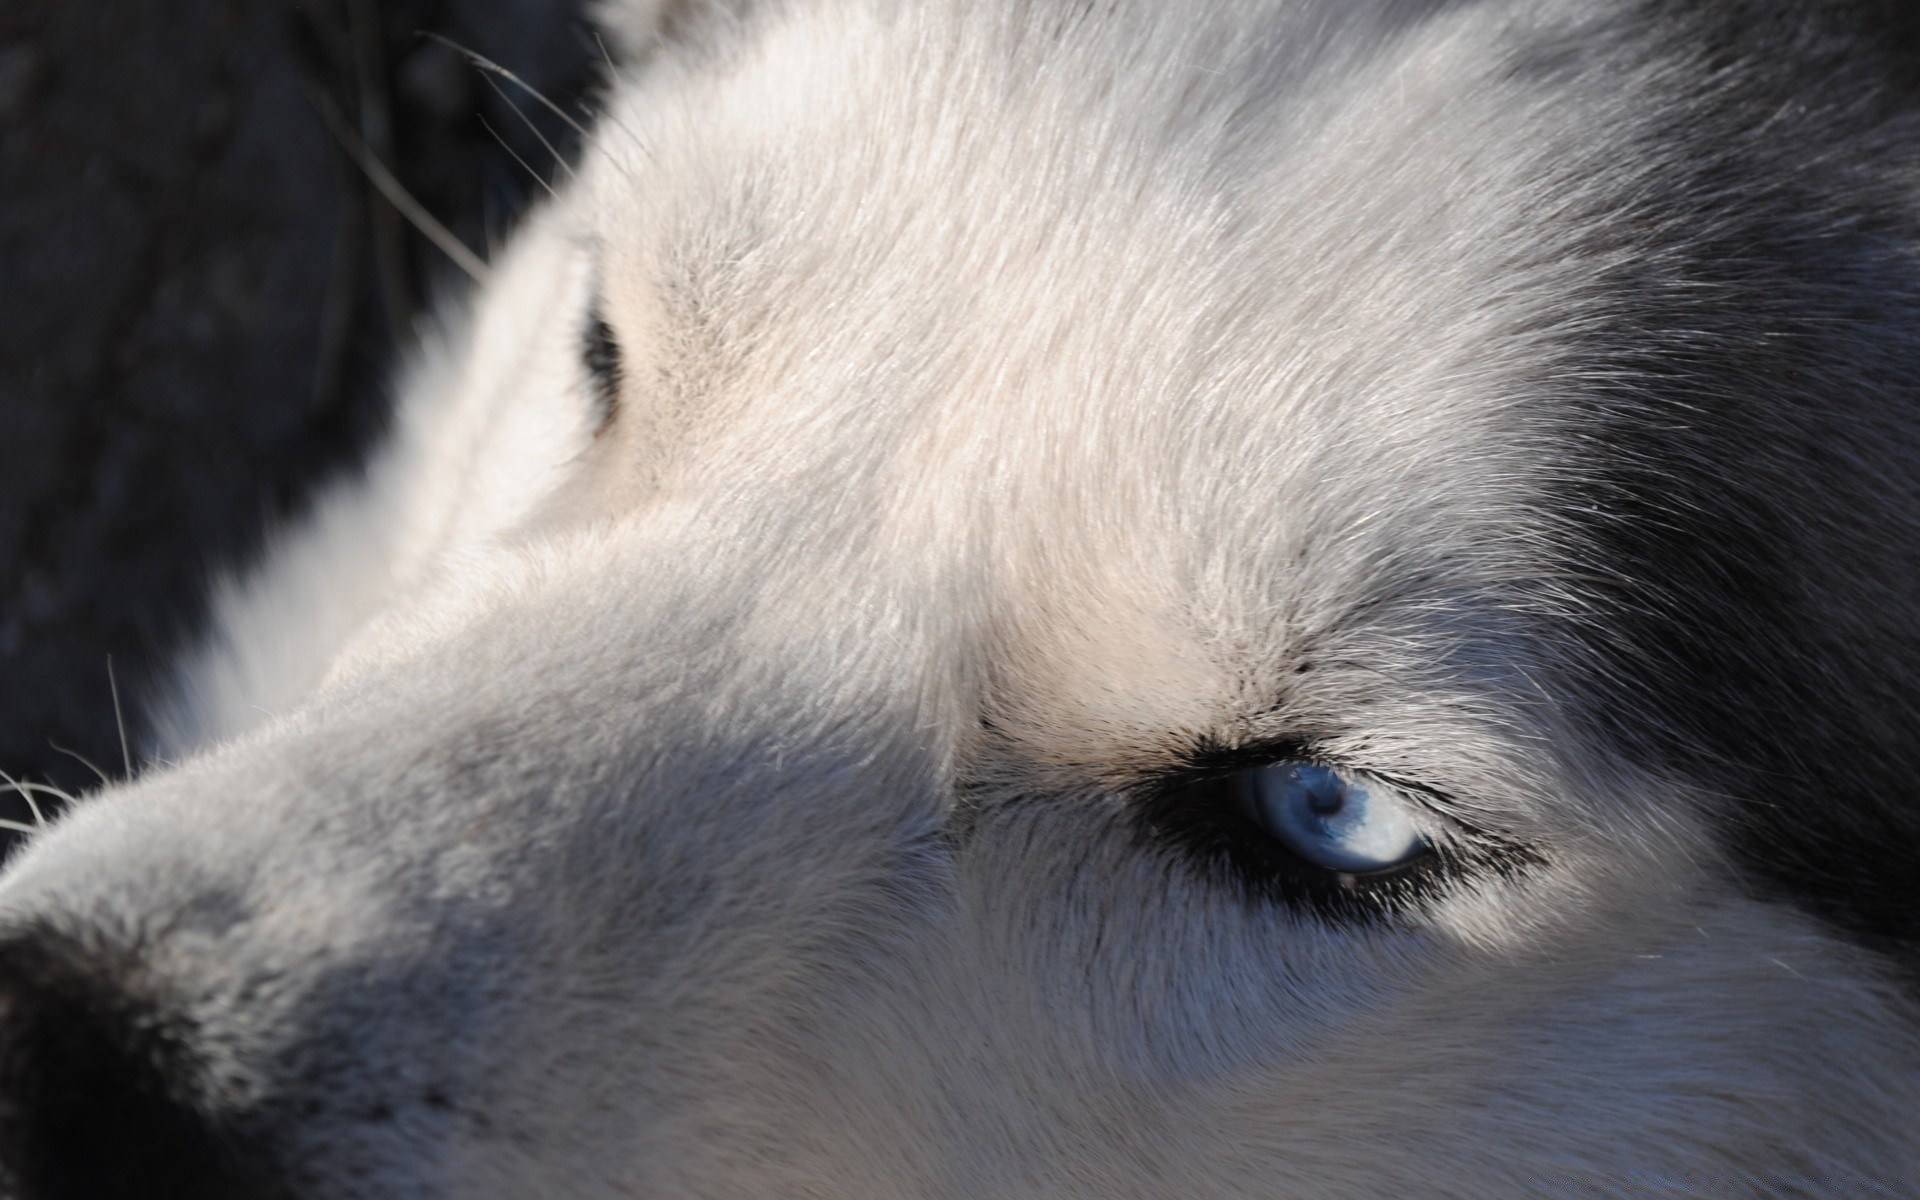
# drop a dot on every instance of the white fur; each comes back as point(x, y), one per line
point(1083, 375)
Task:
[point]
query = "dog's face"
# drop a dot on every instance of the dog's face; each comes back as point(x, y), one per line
point(1305, 600)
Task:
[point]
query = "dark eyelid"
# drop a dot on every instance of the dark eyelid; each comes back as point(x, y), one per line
point(600, 353)
point(1186, 809)
point(1209, 759)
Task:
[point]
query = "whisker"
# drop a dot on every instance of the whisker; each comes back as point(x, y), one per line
point(83, 760)
point(395, 191)
point(524, 165)
point(367, 56)
point(487, 64)
point(531, 127)
point(119, 720)
point(610, 114)
point(26, 790)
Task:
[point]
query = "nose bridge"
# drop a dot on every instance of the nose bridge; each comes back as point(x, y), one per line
point(662, 710)
point(555, 787)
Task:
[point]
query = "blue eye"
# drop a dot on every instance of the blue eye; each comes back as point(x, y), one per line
point(1331, 819)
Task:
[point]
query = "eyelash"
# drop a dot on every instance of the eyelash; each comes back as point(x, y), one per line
point(1192, 809)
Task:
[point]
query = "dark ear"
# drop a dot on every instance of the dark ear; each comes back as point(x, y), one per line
point(637, 29)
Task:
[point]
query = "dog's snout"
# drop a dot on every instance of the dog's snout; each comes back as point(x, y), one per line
point(95, 1094)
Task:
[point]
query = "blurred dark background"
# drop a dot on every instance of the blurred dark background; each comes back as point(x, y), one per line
point(201, 294)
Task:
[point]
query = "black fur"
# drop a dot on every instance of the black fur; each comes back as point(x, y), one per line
point(1754, 500)
point(93, 1103)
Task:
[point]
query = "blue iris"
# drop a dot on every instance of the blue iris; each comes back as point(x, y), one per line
point(1333, 820)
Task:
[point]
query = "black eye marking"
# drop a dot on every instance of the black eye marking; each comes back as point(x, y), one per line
point(601, 355)
point(1194, 811)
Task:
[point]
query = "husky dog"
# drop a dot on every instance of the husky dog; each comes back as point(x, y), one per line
point(1050, 598)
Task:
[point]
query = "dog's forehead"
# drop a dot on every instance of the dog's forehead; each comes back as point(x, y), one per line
point(1146, 391)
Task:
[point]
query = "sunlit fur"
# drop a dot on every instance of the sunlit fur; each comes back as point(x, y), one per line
point(1019, 400)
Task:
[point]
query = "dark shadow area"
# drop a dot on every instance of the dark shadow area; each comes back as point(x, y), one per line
point(203, 295)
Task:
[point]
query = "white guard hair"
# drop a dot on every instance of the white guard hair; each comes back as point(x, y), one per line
point(1026, 414)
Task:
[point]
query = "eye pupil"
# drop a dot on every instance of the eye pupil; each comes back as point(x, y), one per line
point(1326, 798)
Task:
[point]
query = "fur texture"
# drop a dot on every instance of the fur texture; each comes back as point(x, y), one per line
point(753, 730)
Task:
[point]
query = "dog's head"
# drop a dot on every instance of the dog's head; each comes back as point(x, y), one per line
point(1063, 600)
